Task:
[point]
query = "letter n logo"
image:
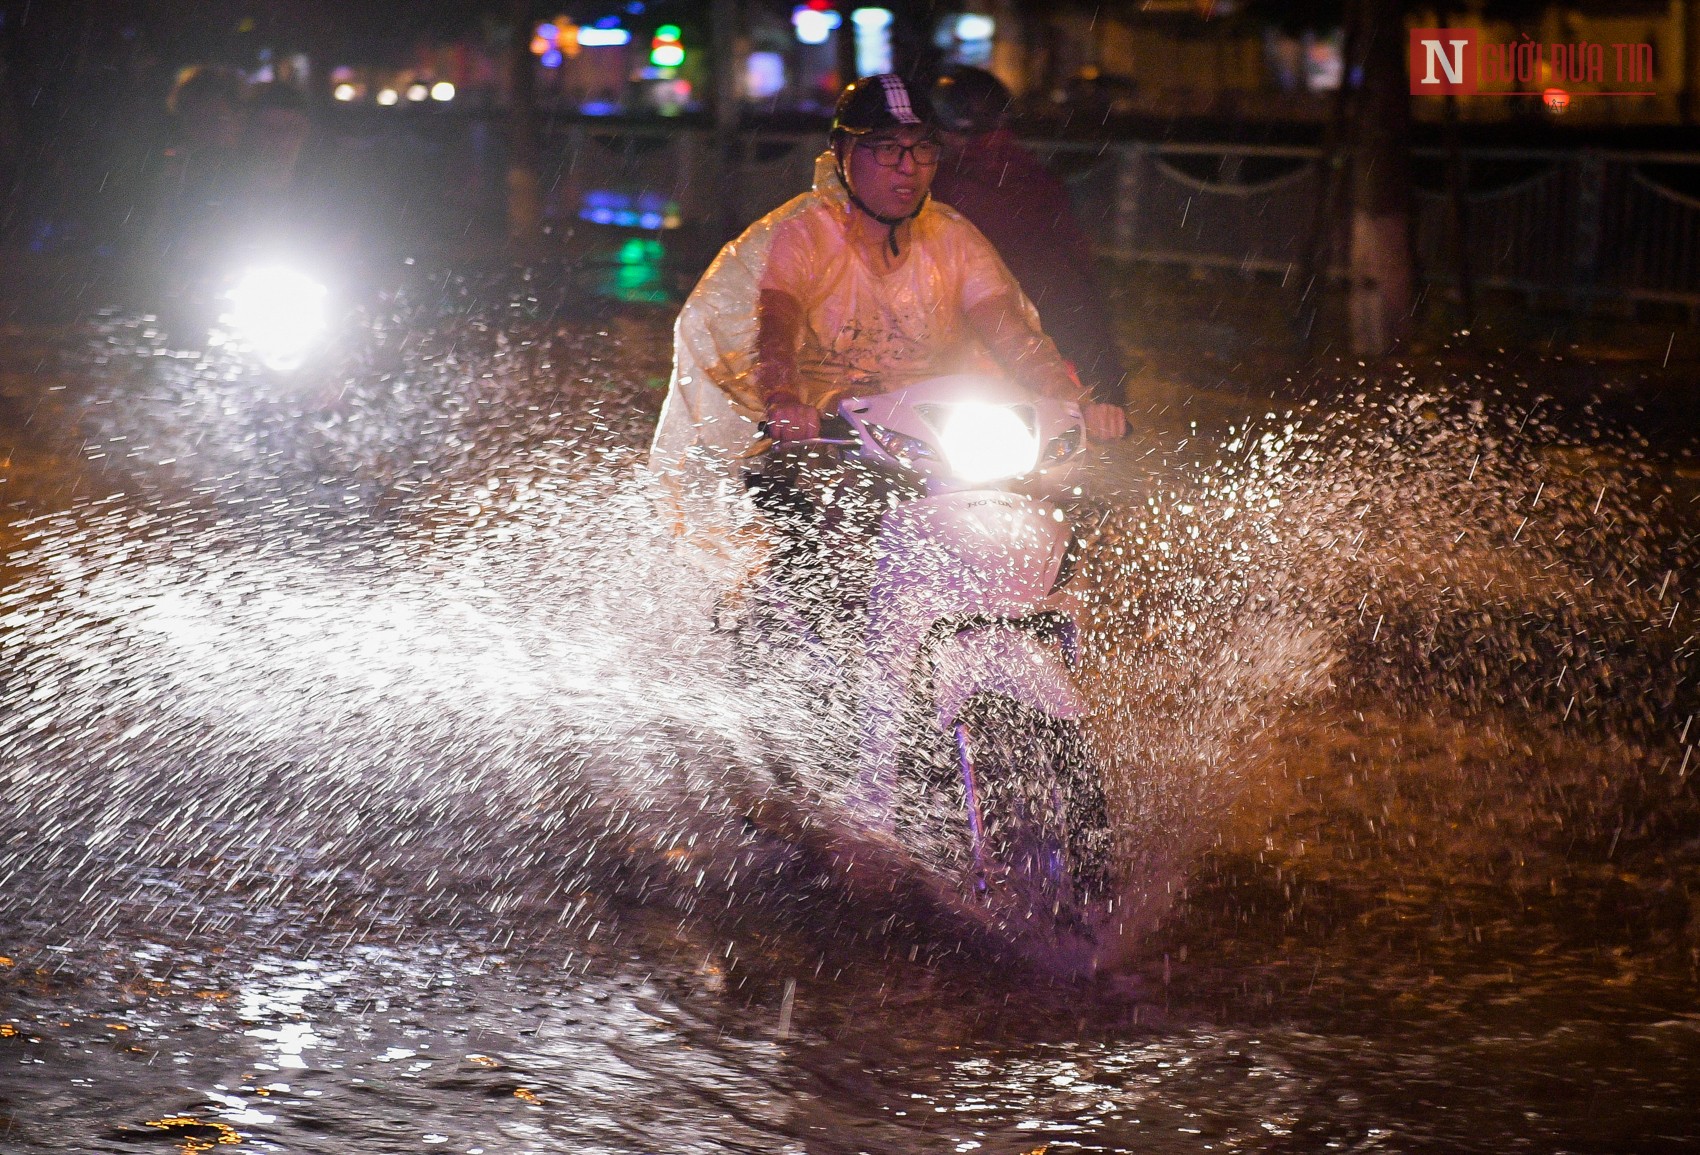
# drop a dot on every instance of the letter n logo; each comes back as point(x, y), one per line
point(1443, 60)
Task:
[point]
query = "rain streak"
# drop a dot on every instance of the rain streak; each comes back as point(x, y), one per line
point(372, 776)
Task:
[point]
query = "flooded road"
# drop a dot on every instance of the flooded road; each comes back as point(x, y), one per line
point(365, 762)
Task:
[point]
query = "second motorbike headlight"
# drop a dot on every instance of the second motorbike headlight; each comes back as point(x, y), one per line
point(988, 442)
point(280, 314)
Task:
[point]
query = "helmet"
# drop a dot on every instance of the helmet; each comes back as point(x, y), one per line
point(880, 102)
point(201, 84)
point(970, 100)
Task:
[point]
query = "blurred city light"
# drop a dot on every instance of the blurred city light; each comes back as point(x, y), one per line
point(387, 97)
point(603, 37)
point(966, 38)
point(443, 91)
point(666, 51)
point(417, 91)
point(764, 75)
point(344, 92)
point(873, 40)
point(814, 24)
point(644, 210)
point(638, 272)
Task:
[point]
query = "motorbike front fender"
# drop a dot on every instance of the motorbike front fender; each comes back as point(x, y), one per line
point(1007, 661)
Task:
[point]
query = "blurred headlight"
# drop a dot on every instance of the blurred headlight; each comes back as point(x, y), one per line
point(988, 442)
point(279, 314)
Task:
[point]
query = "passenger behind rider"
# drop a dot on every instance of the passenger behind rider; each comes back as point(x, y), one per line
point(1024, 210)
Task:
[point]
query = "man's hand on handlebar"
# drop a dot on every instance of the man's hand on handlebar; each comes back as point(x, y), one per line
point(792, 420)
point(1104, 422)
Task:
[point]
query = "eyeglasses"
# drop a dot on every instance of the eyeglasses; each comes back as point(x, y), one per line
point(888, 153)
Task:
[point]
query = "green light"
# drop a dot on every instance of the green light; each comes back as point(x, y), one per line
point(638, 272)
point(665, 51)
point(640, 251)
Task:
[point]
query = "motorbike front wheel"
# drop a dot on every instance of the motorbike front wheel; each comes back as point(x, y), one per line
point(1032, 807)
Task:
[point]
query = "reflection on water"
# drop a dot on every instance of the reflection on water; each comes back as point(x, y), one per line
point(364, 770)
point(472, 1051)
point(637, 272)
point(276, 996)
point(640, 210)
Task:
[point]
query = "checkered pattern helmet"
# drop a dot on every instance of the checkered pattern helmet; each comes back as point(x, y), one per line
point(876, 103)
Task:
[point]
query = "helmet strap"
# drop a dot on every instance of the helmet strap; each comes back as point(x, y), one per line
point(891, 223)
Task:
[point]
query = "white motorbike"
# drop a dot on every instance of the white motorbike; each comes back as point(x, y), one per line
point(926, 574)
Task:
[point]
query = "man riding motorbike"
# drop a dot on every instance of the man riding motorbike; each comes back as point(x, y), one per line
point(866, 289)
point(860, 286)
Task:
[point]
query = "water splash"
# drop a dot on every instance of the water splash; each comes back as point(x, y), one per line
point(423, 648)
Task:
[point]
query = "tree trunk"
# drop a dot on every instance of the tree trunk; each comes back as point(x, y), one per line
point(1327, 241)
point(525, 199)
point(1379, 303)
point(1457, 189)
point(1691, 61)
point(727, 18)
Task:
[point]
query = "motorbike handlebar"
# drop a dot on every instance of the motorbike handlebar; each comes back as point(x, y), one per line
point(835, 429)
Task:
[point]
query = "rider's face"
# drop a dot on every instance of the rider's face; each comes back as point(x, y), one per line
point(891, 192)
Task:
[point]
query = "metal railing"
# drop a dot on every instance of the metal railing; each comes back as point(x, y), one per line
point(1596, 228)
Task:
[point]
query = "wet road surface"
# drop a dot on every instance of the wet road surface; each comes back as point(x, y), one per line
point(363, 789)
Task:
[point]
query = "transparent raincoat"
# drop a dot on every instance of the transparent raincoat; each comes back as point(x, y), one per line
point(863, 332)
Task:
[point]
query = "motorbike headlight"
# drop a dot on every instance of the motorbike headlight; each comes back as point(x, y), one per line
point(279, 313)
point(988, 442)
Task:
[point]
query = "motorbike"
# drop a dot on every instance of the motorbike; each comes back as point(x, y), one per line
point(233, 360)
point(925, 573)
point(271, 313)
point(233, 260)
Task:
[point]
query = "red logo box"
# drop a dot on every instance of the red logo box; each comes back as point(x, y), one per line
point(1444, 62)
